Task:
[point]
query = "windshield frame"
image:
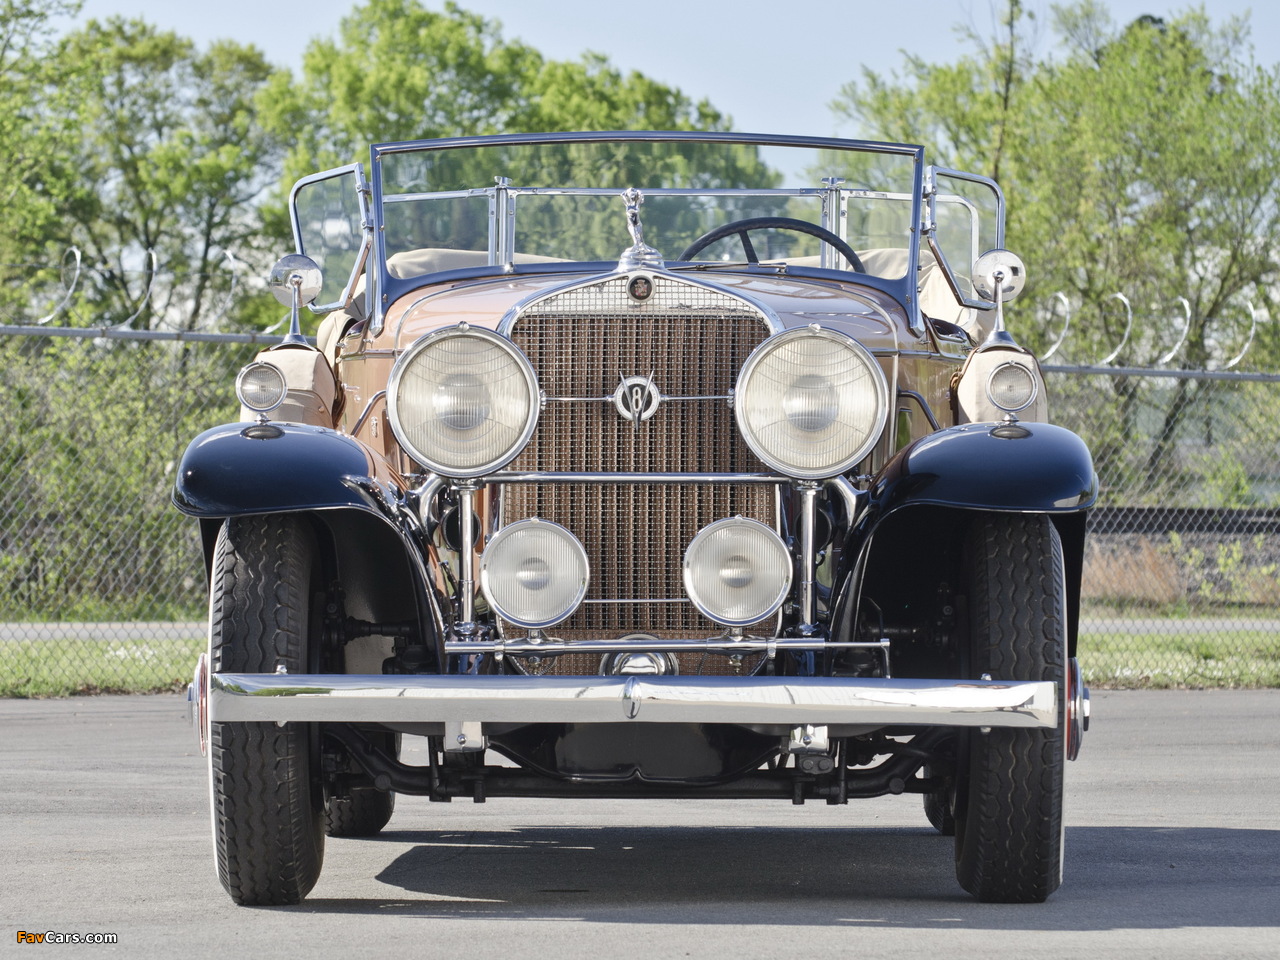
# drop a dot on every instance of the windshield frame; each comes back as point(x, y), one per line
point(387, 289)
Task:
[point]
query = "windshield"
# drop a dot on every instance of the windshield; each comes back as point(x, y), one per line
point(497, 201)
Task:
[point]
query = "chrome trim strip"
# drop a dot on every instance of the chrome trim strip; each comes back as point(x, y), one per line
point(641, 136)
point(513, 476)
point(924, 406)
point(438, 195)
point(723, 645)
point(766, 314)
point(928, 354)
point(662, 397)
point(368, 409)
point(313, 698)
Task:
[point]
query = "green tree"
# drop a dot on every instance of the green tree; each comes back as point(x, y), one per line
point(398, 71)
point(1142, 160)
point(168, 159)
point(34, 126)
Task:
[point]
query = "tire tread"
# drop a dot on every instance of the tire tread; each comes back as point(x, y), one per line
point(1008, 839)
point(266, 819)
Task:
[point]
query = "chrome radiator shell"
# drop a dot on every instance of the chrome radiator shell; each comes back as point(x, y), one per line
point(689, 340)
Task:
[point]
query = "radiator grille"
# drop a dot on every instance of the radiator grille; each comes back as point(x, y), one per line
point(693, 341)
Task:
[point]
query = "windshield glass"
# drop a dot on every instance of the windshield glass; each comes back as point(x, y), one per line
point(560, 200)
point(967, 212)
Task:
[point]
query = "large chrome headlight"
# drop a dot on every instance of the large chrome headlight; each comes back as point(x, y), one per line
point(811, 402)
point(463, 401)
point(737, 571)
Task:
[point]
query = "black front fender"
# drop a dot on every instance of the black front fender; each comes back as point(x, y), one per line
point(1024, 467)
point(243, 468)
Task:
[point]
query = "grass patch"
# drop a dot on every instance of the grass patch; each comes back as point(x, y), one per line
point(70, 666)
point(100, 662)
point(1224, 658)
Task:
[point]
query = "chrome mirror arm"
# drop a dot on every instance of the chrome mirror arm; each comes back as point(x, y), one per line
point(295, 281)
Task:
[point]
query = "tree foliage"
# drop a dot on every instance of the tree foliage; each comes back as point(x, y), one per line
point(34, 125)
point(122, 139)
point(169, 159)
point(398, 71)
point(1143, 159)
point(127, 142)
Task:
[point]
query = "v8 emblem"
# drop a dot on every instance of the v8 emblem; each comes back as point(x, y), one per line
point(637, 398)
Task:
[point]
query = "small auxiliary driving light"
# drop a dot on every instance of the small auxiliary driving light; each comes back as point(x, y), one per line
point(534, 573)
point(737, 571)
point(261, 387)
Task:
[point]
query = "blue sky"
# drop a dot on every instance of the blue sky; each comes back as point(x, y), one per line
point(773, 65)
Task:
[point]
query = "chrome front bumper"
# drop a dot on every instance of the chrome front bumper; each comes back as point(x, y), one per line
point(757, 700)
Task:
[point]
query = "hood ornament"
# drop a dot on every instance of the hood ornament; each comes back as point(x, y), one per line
point(639, 255)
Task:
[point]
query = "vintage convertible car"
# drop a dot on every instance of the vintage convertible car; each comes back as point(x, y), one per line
point(642, 465)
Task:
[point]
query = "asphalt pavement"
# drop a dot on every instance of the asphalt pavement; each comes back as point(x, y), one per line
point(1173, 850)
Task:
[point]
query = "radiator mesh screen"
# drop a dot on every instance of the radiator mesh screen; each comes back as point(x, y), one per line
point(582, 343)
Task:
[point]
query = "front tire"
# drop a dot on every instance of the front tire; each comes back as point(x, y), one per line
point(1009, 828)
point(267, 803)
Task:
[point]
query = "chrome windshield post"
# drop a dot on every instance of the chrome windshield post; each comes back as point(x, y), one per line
point(835, 215)
point(502, 222)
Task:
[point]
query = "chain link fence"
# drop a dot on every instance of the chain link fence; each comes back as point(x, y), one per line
point(100, 577)
point(1180, 578)
point(101, 585)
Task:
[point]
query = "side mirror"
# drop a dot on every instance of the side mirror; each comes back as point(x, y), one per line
point(295, 281)
point(999, 276)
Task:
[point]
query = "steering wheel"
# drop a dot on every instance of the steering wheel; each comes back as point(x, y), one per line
point(742, 227)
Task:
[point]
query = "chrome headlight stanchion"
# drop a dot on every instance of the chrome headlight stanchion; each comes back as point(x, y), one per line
point(466, 625)
point(808, 559)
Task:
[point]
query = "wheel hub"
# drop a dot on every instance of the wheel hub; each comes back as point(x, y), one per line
point(198, 703)
point(1077, 708)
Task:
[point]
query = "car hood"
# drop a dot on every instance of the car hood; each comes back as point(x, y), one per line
point(865, 313)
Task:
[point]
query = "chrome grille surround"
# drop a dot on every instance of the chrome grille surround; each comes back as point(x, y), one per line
point(691, 339)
